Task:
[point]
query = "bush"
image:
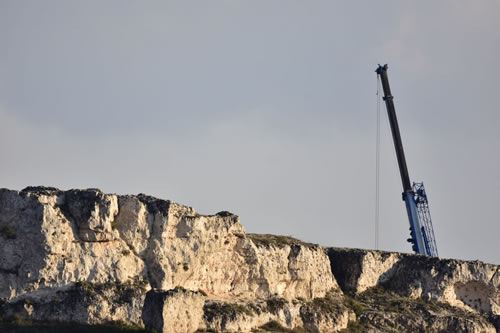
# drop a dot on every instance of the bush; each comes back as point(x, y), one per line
point(274, 326)
point(355, 306)
point(267, 240)
point(33, 327)
point(8, 232)
point(355, 327)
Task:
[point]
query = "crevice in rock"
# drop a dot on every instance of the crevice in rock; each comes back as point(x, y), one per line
point(155, 205)
point(345, 267)
point(494, 276)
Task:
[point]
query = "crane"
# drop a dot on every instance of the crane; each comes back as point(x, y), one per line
point(414, 195)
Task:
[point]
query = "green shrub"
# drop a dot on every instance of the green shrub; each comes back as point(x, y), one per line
point(8, 232)
point(267, 240)
point(355, 306)
point(181, 288)
point(355, 327)
point(274, 326)
point(274, 305)
point(35, 327)
point(229, 310)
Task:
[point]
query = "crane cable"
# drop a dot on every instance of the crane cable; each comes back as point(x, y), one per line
point(377, 169)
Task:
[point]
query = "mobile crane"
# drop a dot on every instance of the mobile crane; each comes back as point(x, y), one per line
point(421, 230)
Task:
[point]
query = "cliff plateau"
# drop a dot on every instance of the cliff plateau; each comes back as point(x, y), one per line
point(83, 256)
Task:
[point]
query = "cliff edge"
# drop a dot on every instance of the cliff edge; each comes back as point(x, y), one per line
point(88, 257)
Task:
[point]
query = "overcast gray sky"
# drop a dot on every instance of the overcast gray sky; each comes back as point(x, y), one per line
point(263, 108)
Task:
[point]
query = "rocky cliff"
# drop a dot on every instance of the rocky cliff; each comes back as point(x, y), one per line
point(88, 257)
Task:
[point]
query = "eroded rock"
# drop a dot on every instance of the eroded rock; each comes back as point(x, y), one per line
point(173, 311)
point(89, 257)
point(82, 302)
point(472, 285)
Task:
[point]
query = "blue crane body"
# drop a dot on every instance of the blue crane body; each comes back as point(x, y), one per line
point(414, 196)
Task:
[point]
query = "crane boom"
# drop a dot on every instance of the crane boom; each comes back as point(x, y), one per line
point(414, 196)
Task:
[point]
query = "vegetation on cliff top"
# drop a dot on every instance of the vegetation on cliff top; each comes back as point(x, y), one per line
point(274, 326)
point(268, 240)
point(34, 327)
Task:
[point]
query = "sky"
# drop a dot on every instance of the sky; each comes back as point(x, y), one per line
point(266, 109)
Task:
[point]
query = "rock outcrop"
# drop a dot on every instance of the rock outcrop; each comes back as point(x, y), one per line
point(89, 257)
point(472, 285)
point(176, 310)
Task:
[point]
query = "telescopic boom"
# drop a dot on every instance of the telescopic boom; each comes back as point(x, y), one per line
point(422, 233)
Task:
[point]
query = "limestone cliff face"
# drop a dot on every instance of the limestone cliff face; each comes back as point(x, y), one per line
point(90, 257)
point(471, 285)
point(65, 237)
